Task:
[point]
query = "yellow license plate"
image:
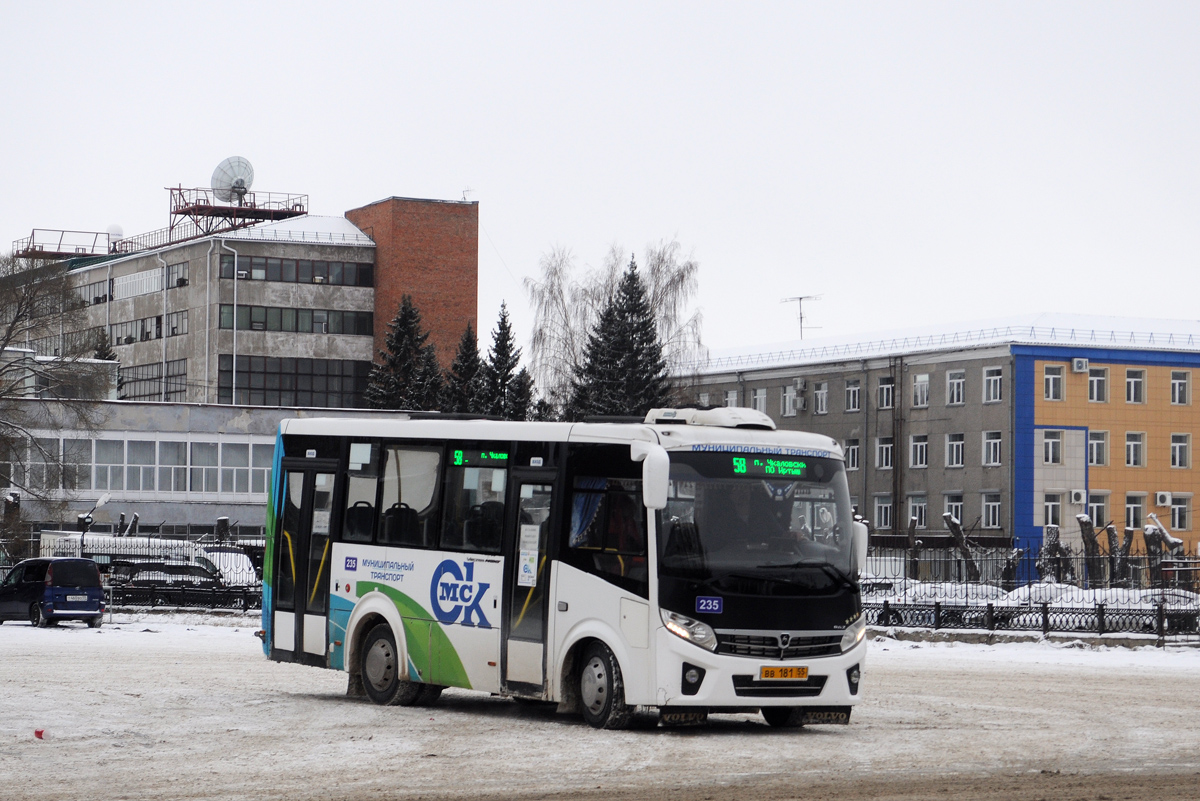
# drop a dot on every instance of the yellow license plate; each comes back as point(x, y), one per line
point(776, 673)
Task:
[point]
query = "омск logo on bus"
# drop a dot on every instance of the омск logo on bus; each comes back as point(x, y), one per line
point(454, 592)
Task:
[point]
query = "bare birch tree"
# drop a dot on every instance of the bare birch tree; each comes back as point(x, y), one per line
point(566, 310)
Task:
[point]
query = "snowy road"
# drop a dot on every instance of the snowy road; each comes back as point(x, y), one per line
point(156, 708)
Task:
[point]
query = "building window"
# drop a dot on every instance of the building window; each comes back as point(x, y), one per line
point(177, 275)
point(918, 508)
point(1051, 447)
point(1133, 511)
point(919, 450)
point(1053, 383)
point(1052, 510)
point(77, 465)
point(954, 450)
point(883, 453)
point(1180, 446)
point(887, 392)
point(852, 401)
point(991, 511)
point(1098, 384)
point(758, 400)
point(1179, 387)
point(177, 323)
point(821, 398)
point(299, 271)
point(146, 382)
point(1098, 509)
point(303, 321)
point(172, 467)
point(1135, 386)
point(277, 381)
point(1098, 448)
point(788, 402)
point(731, 397)
point(883, 511)
point(851, 454)
point(954, 504)
point(139, 475)
point(956, 383)
point(920, 390)
point(110, 464)
point(992, 384)
point(702, 399)
point(992, 442)
point(132, 331)
point(204, 467)
point(1135, 450)
point(1180, 516)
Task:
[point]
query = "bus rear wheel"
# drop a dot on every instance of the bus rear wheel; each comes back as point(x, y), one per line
point(382, 678)
point(783, 717)
point(601, 689)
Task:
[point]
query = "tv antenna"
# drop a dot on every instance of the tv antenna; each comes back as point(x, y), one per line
point(800, 309)
point(232, 179)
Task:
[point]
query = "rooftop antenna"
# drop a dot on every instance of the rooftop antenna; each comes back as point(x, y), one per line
point(800, 309)
point(467, 191)
point(232, 179)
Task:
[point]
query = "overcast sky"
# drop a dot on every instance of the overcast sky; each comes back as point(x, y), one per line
point(903, 161)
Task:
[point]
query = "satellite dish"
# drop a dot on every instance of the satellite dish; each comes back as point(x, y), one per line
point(231, 179)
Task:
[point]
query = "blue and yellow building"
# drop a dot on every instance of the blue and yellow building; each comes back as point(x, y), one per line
point(1008, 425)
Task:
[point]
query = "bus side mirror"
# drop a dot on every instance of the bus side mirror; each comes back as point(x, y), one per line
point(656, 472)
point(860, 546)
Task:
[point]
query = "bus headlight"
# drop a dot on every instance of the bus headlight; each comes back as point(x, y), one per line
point(854, 633)
point(691, 630)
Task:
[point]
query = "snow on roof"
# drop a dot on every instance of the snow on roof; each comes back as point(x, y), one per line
point(1048, 328)
point(306, 228)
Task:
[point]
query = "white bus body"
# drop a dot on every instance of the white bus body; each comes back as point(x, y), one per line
point(699, 562)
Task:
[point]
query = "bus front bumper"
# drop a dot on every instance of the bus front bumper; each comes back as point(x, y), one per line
point(691, 676)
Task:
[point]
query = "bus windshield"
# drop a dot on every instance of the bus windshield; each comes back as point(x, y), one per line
point(755, 514)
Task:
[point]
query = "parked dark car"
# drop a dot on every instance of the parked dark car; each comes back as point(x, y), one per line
point(163, 583)
point(44, 591)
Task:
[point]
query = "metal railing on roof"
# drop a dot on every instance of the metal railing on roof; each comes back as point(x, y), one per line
point(971, 338)
point(291, 235)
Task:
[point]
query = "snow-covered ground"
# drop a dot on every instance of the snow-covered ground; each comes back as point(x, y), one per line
point(187, 707)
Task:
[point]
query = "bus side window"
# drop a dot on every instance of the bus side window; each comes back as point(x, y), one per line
point(358, 521)
point(608, 535)
point(474, 519)
point(408, 501)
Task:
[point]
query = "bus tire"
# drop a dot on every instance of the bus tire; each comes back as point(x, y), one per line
point(429, 694)
point(381, 670)
point(602, 690)
point(783, 717)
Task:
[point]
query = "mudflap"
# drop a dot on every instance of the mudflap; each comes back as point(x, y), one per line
point(837, 715)
point(682, 716)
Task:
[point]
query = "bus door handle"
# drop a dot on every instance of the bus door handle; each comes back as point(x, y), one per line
point(562, 606)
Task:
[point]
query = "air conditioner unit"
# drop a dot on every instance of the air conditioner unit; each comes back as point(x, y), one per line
point(801, 384)
point(1078, 497)
point(128, 340)
point(98, 300)
point(242, 273)
point(1079, 365)
point(1162, 499)
point(181, 282)
point(174, 330)
point(802, 404)
point(318, 279)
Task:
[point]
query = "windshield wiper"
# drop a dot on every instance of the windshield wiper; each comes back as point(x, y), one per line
point(830, 570)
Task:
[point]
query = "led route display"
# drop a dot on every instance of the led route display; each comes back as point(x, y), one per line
point(766, 466)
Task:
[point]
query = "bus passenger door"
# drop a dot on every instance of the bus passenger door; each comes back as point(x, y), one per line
point(302, 553)
point(527, 579)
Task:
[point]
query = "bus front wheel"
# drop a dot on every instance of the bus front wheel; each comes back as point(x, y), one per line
point(601, 689)
point(382, 676)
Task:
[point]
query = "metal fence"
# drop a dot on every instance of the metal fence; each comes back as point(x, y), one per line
point(1148, 593)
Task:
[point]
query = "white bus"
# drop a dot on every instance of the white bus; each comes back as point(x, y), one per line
point(697, 562)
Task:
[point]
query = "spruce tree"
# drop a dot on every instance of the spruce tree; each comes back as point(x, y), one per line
point(521, 396)
point(104, 351)
point(623, 370)
point(408, 376)
point(466, 390)
point(501, 369)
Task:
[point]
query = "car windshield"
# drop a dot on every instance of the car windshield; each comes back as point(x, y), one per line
point(751, 514)
point(75, 574)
